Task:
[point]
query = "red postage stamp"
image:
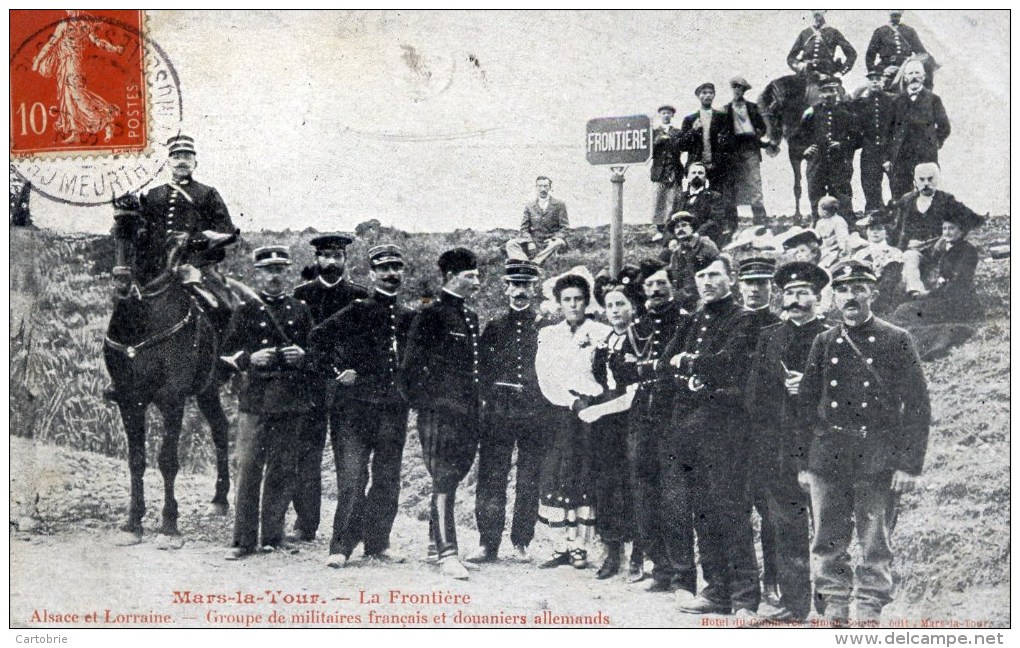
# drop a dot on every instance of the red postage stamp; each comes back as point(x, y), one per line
point(77, 82)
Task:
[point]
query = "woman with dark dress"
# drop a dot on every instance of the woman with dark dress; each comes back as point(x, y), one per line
point(616, 369)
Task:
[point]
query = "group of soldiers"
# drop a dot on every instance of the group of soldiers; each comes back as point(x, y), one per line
point(896, 121)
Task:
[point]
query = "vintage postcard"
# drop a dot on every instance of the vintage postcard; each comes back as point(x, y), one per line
point(523, 319)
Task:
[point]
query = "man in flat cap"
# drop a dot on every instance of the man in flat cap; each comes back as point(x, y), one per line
point(893, 44)
point(514, 415)
point(815, 49)
point(186, 206)
point(705, 137)
point(866, 414)
point(873, 109)
point(829, 132)
point(748, 137)
point(439, 376)
point(648, 420)
point(704, 451)
point(685, 246)
point(920, 126)
point(266, 340)
point(360, 349)
point(667, 169)
point(771, 400)
point(326, 294)
point(543, 228)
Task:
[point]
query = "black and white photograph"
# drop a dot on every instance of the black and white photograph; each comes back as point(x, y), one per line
point(411, 318)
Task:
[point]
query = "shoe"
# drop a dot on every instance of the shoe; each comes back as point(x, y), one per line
point(452, 567)
point(300, 536)
point(636, 572)
point(237, 553)
point(386, 557)
point(336, 561)
point(483, 555)
point(703, 605)
point(520, 554)
point(610, 567)
point(433, 555)
point(748, 618)
point(579, 558)
point(282, 546)
point(776, 613)
point(559, 558)
point(660, 586)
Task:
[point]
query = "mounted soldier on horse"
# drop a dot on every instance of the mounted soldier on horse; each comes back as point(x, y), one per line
point(170, 307)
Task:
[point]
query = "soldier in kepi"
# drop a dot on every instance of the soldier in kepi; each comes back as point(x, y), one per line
point(360, 349)
point(866, 414)
point(513, 415)
point(439, 376)
point(185, 205)
point(326, 294)
point(815, 49)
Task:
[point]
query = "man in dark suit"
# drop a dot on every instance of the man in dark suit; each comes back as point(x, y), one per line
point(919, 218)
point(705, 137)
point(873, 109)
point(360, 349)
point(703, 453)
point(892, 44)
point(747, 128)
point(708, 206)
point(667, 169)
point(327, 294)
point(686, 246)
point(830, 133)
point(771, 402)
point(866, 413)
point(439, 375)
point(513, 415)
point(543, 228)
point(919, 129)
point(815, 49)
point(267, 340)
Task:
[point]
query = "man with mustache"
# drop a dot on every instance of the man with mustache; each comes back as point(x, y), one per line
point(513, 414)
point(815, 49)
point(874, 111)
point(830, 133)
point(772, 403)
point(439, 376)
point(543, 228)
point(704, 451)
point(686, 246)
point(865, 417)
point(707, 205)
point(326, 294)
point(920, 127)
point(892, 44)
point(671, 548)
point(919, 218)
point(360, 348)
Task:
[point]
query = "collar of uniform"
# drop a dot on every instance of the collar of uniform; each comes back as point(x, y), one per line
point(663, 309)
point(330, 285)
point(759, 311)
point(719, 305)
point(181, 183)
point(383, 297)
point(272, 299)
point(526, 313)
point(861, 328)
point(807, 323)
point(451, 298)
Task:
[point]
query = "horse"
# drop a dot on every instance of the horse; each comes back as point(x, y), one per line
point(161, 348)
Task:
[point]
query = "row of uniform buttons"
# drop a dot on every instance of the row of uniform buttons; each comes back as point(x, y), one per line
point(866, 383)
point(264, 323)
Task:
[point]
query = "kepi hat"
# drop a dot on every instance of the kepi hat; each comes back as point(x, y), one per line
point(520, 270)
point(385, 253)
point(269, 255)
point(334, 241)
point(853, 270)
point(181, 144)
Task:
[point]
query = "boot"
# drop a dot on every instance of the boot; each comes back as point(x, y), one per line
point(611, 565)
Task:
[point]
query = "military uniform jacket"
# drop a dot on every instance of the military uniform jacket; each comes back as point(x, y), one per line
point(325, 300)
point(891, 46)
point(278, 388)
point(772, 409)
point(680, 258)
point(666, 165)
point(370, 337)
point(920, 127)
point(506, 364)
point(722, 335)
point(823, 124)
point(874, 112)
point(819, 46)
point(653, 332)
point(913, 225)
point(190, 207)
point(866, 410)
point(440, 367)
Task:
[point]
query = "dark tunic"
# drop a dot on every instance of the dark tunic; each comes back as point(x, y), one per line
point(666, 165)
point(818, 47)
point(891, 45)
point(920, 127)
point(325, 300)
point(912, 225)
point(709, 210)
point(681, 269)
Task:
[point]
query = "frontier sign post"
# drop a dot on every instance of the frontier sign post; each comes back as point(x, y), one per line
point(617, 142)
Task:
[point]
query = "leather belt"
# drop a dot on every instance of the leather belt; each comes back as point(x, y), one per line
point(861, 431)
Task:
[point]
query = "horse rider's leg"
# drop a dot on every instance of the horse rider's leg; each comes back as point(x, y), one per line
point(795, 163)
point(169, 464)
point(211, 408)
point(133, 415)
point(817, 177)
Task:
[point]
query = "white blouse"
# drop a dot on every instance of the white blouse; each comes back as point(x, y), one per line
point(564, 360)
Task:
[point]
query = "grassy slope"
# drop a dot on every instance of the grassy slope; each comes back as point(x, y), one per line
point(952, 537)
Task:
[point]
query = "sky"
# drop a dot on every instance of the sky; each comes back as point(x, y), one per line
point(436, 121)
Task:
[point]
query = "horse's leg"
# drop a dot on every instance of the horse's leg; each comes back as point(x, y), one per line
point(133, 415)
point(169, 464)
point(795, 164)
point(211, 408)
